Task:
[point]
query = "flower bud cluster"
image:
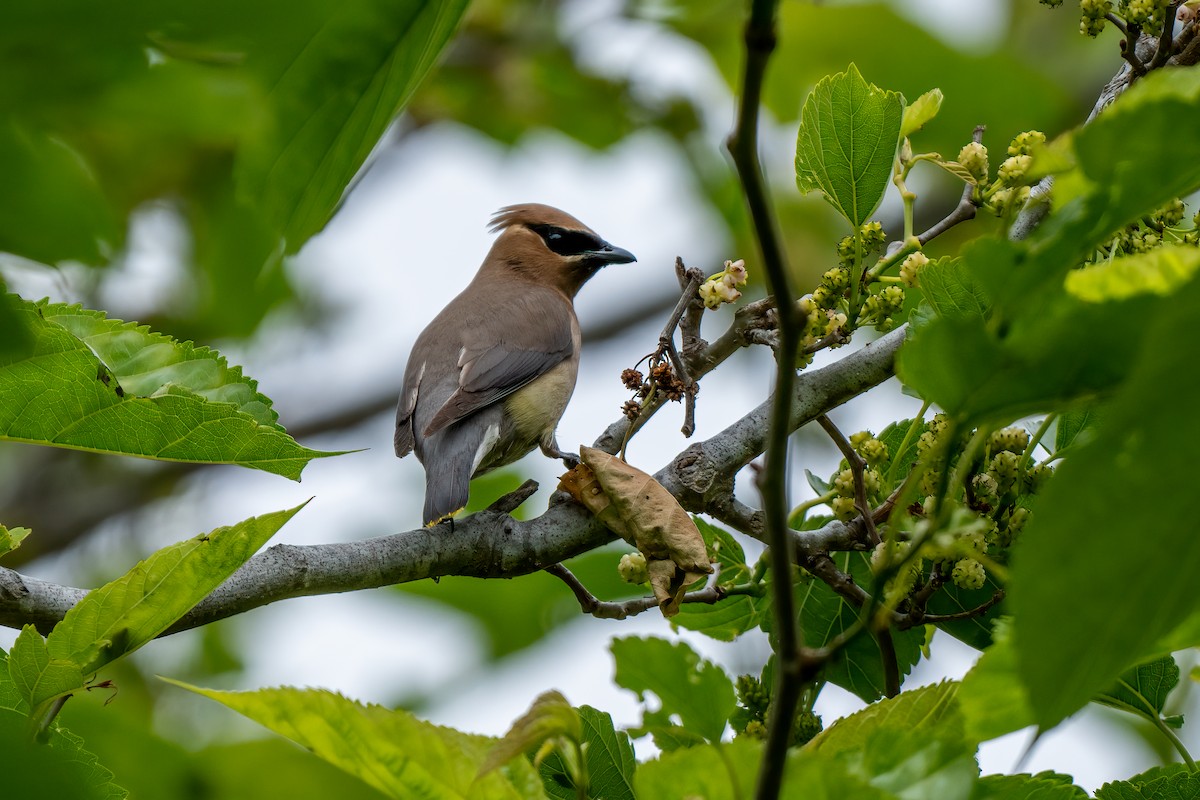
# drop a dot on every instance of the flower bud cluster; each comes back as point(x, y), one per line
point(722, 287)
point(1092, 12)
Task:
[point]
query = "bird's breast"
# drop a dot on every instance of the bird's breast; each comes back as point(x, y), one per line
point(536, 408)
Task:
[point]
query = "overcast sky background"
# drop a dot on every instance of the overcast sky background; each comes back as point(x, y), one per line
point(408, 239)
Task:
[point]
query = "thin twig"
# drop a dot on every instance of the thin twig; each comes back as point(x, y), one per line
point(603, 609)
point(1166, 40)
point(964, 211)
point(689, 282)
point(857, 469)
point(887, 657)
point(1118, 23)
point(914, 620)
point(1128, 52)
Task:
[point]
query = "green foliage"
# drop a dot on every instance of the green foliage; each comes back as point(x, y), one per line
point(608, 759)
point(696, 692)
point(392, 751)
point(735, 615)
point(1172, 782)
point(849, 131)
point(10, 538)
point(1043, 786)
point(121, 616)
point(62, 392)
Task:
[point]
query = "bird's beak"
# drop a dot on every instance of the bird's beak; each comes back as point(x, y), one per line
point(611, 254)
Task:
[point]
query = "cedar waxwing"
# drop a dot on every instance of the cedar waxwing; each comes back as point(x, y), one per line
point(490, 376)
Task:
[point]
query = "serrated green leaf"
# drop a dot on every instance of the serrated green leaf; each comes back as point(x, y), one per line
point(699, 692)
point(1062, 657)
point(729, 618)
point(976, 630)
point(920, 111)
point(1171, 782)
point(849, 132)
point(816, 483)
point(11, 538)
point(824, 615)
point(930, 710)
point(393, 751)
point(37, 675)
point(609, 757)
point(1143, 689)
point(123, 615)
point(948, 286)
point(144, 363)
point(1160, 271)
point(60, 394)
point(331, 103)
point(1043, 786)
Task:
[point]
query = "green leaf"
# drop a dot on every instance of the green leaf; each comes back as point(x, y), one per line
point(336, 82)
point(948, 286)
point(1143, 689)
point(824, 615)
point(849, 132)
point(992, 698)
point(393, 751)
point(550, 719)
point(608, 754)
point(145, 363)
point(11, 538)
point(123, 615)
point(61, 768)
point(928, 711)
point(1043, 786)
point(1074, 427)
point(712, 771)
point(699, 692)
point(1172, 782)
point(46, 180)
point(1116, 191)
point(1160, 271)
point(1073, 642)
point(923, 109)
point(61, 394)
point(734, 615)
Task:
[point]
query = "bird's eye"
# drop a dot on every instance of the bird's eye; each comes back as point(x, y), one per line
point(567, 242)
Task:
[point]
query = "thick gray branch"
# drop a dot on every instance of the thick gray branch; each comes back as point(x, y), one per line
point(492, 544)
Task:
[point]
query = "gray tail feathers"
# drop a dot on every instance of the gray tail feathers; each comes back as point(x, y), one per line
point(449, 456)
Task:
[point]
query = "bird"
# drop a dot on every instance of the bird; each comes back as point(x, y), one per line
point(489, 378)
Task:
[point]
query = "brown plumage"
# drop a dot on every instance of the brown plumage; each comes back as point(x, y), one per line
point(490, 376)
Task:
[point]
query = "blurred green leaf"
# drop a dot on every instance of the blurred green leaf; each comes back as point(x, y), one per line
point(61, 394)
point(61, 769)
point(1160, 271)
point(697, 692)
point(712, 771)
point(10, 539)
point(923, 109)
point(393, 751)
point(51, 208)
point(991, 696)
point(1043, 786)
point(1063, 665)
point(1074, 427)
point(849, 132)
point(550, 720)
point(929, 710)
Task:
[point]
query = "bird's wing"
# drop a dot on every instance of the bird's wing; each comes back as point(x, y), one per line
point(493, 367)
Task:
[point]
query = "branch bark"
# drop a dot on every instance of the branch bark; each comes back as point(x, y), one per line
point(492, 544)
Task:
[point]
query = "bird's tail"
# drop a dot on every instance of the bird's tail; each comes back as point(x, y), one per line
point(449, 458)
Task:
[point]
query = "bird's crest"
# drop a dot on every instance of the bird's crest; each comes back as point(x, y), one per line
point(534, 214)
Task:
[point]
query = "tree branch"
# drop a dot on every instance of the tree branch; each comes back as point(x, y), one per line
point(590, 604)
point(491, 544)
